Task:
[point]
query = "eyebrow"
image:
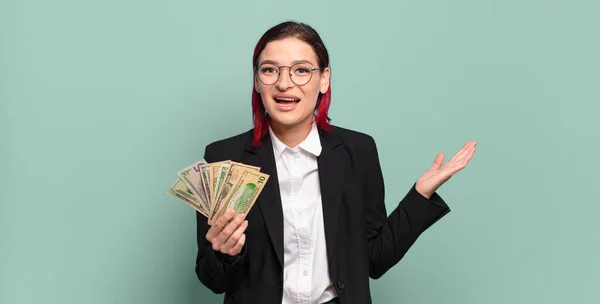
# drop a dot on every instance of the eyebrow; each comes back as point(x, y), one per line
point(293, 62)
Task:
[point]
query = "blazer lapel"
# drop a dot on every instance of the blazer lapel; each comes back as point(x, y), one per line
point(269, 200)
point(331, 171)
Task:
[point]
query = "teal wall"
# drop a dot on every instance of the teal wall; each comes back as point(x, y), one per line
point(101, 102)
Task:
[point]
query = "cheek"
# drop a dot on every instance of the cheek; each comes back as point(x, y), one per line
point(314, 90)
point(259, 87)
point(265, 97)
point(263, 92)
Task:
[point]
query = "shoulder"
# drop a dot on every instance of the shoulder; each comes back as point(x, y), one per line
point(227, 148)
point(361, 150)
point(355, 140)
point(233, 141)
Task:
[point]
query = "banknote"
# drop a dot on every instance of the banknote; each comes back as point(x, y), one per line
point(221, 175)
point(233, 175)
point(181, 191)
point(204, 174)
point(215, 172)
point(241, 196)
point(190, 175)
point(214, 188)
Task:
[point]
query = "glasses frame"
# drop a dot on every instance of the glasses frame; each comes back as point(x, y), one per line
point(290, 70)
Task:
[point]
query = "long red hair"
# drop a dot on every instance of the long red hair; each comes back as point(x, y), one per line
point(307, 34)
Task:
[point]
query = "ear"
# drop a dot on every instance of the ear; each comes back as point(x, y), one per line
point(325, 76)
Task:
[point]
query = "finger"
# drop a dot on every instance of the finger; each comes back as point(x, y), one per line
point(218, 241)
point(238, 246)
point(437, 163)
point(212, 233)
point(470, 155)
point(467, 155)
point(461, 163)
point(221, 222)
point(462, 152)
point(235, 236)
point(230, 228)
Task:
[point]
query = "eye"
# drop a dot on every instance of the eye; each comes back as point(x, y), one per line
point(268, 70)
point(302, 70)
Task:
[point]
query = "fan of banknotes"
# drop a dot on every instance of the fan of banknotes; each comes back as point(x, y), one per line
point(214, 188)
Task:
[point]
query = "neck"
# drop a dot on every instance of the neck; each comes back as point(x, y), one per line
point(292, 136)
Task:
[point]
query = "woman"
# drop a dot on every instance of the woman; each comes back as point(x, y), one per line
point(319, 228)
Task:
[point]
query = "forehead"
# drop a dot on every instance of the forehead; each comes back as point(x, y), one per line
point(288, 50)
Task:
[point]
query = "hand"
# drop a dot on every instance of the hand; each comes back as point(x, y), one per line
point(227, 235)
point(433, 178)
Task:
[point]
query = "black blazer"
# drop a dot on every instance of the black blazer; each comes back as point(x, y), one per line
point(362, 241)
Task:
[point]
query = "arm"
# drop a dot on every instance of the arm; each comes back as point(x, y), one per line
point(218, 271)
point(389, 238)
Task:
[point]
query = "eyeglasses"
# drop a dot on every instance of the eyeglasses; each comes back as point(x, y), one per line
point(300, 73)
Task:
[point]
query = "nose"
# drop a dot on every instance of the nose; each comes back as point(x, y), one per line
point(285, 80)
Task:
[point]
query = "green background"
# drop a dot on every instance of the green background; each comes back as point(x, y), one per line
point(101, 102)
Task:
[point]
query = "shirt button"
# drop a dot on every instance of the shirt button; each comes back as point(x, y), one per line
point(340, 284)
point(305, 273)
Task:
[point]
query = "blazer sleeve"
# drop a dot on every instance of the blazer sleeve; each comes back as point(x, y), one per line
point(390, 237)
point(217, 271)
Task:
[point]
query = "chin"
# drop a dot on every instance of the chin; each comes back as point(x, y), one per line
point(287, 119)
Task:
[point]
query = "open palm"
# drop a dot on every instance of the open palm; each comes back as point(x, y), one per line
point(433, 178)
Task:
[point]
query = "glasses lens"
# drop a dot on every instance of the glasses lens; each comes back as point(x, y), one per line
point(301, 73)
point(268, 73)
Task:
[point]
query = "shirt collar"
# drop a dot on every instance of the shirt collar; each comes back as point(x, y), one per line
point(311, 144)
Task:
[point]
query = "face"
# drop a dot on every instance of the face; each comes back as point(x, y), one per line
point(288, 104)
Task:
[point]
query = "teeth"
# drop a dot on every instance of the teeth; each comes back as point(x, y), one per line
point(286, 99)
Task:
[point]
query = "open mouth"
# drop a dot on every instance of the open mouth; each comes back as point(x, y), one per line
point(286, 103)
point(287, 100)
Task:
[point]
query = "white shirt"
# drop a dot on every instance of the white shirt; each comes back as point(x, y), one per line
point(305, 271)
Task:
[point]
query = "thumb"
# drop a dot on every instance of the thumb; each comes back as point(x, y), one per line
point(437, 163)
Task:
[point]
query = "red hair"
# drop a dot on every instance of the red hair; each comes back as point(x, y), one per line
point(307, 34)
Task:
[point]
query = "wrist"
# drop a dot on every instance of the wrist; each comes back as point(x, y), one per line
point(230, 259)
point(426, 194)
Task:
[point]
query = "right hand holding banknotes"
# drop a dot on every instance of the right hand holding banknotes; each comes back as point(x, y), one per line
point(227, 234)
point(224, 192)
